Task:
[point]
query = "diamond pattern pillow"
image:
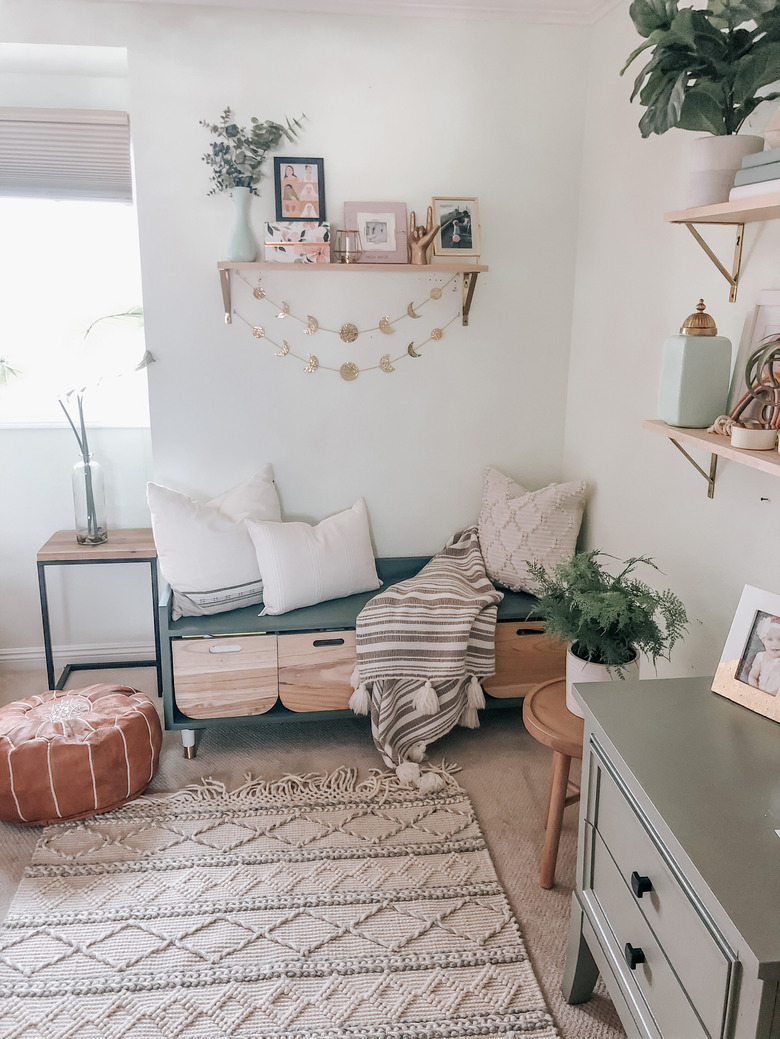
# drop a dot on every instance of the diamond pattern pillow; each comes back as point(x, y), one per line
point(517, 527)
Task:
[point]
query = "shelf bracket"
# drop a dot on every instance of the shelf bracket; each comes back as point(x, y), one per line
point(469, 284)
point(224, 280)
point(733, 277)
point(710, 476)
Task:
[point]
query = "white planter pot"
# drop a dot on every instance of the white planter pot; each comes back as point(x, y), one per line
point(714, 162)
point(578, 670)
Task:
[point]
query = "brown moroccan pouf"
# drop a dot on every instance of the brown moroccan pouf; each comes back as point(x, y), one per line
point(67, 754)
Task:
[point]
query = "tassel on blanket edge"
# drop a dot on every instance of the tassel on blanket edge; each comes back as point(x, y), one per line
point(475, 696)
point(425, 699)
point(354, 678)
point(360, 702)
point(469, 718)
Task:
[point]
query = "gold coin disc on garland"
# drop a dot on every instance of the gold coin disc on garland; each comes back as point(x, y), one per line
point(436, 333)
point(348, 333)
point(258, 332)
point(259, 292)
point(349, 371)
point(435, 292)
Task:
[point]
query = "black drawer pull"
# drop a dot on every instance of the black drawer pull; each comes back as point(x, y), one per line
point(528, 631)
point(640, 885)
point(328, 642)
point(633, 956)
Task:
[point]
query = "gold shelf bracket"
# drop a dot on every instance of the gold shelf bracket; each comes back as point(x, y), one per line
point(710, 476)
point(469, 284)
point(224, 280)
point(733, 277)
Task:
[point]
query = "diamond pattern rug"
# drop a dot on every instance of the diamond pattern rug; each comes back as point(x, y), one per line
point(317, 906)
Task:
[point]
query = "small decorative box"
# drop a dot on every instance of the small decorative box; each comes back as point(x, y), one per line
point(297, 242)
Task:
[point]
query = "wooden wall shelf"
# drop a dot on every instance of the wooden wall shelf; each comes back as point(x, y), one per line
point(470, 271)
point(718, 446)
point(737, 214)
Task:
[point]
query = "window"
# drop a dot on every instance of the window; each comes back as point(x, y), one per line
point(69, 260)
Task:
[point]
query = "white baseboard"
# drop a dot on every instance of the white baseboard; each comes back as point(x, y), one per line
point(34, 655)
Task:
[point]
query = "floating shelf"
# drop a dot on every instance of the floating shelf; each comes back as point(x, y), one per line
point(468, 270)
point(738, 213)
point(717, 445)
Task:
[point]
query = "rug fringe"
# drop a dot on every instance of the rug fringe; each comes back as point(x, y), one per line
point(312, 786)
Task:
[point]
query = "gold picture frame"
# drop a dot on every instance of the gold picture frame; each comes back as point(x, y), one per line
point(749, 668)
point(458, 222)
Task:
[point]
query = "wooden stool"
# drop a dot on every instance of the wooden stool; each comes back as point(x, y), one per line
point(548, 720)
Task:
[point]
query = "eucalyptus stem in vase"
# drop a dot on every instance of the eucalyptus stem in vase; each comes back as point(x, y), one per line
point(88, 495)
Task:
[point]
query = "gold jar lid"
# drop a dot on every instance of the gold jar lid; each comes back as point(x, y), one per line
point(699, 324)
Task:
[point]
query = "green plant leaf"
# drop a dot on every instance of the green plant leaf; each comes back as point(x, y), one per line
point(663, 112)
point(703, 110)
point(650, 15)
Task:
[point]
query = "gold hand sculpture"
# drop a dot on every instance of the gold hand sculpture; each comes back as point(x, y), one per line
point(421, 237)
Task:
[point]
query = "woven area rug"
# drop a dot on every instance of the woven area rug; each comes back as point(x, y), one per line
point(316, 906)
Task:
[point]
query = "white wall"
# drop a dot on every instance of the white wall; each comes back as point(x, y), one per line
point(400, 109)
point(638, 278)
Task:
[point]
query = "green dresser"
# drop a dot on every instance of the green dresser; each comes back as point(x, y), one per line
point(677, 902)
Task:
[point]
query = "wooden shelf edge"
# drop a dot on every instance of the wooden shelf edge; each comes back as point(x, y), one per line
point(741, 211)
point(765, 461)
point(408, 268)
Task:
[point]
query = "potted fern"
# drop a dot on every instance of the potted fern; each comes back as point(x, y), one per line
point(606, 620)
point(708, 71)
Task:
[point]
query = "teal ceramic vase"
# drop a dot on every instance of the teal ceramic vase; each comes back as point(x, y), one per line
point(242, 241)
point(695, 372)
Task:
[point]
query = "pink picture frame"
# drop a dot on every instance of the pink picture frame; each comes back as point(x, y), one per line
point(382, 230)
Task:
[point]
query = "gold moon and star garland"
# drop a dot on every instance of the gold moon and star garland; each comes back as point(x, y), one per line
point(348, 333)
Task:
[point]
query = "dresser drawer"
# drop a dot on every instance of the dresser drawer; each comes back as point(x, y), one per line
point(315, 670)
point(654, 980)
point(525, 656)
point(697, 953)
point(225, 677)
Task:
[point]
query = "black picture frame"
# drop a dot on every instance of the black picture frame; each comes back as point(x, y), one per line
point(299, 188)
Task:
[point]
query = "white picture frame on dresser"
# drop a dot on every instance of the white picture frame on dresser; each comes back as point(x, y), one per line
point(749, 668)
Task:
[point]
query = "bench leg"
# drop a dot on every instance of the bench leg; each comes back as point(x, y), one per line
point(188, 742)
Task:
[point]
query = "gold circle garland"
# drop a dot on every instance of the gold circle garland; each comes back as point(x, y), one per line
point(348, 333)
point(349, 371)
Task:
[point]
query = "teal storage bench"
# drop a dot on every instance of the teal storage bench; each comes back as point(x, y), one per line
point(240, 668)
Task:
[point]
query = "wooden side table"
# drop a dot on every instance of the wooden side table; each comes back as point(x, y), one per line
point(549, 721)
point(133, 545)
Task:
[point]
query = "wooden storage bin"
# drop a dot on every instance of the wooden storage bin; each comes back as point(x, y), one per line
point(525, 656)
point(227, 677)
point(315, 669)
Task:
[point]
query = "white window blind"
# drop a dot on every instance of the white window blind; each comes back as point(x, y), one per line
point(65, 154)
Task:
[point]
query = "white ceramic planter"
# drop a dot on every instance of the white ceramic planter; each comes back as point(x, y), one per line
point(578, 670)
point(753, 439)
point(714, 162)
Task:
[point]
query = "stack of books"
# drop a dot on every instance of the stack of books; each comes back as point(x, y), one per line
point(760, 175)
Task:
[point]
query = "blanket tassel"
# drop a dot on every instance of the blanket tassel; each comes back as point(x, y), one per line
point(475, 696)
point(426, 701)
point(469, 718)
point(360, 702)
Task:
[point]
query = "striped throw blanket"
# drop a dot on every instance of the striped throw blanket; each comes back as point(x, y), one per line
point(423, 646)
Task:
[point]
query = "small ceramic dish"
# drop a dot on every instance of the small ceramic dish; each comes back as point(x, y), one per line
point(753, 439)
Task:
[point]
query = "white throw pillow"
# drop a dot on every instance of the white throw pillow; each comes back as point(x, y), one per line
point(303, 564)
point(517, 527)
point(204, 549)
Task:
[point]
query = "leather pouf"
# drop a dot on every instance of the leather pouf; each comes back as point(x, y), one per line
point(68, 754)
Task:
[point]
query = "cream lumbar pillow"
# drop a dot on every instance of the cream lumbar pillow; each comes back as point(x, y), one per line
point(204, 549)
point(303, 564)
point(518, 527)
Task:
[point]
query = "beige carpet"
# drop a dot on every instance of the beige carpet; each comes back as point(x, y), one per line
point(504, 772)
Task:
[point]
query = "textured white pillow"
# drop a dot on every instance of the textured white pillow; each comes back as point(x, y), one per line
point(517, 527)
point(302, 565)
point(204, 550)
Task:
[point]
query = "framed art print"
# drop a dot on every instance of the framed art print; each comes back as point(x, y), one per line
point(749, 669)
point(382, 230)
point(299, 188)
point(458, 223)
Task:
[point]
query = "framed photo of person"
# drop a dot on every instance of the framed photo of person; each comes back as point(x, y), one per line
point(458, 222)
point(382, 230)
point(299, 188)
point(749, 669)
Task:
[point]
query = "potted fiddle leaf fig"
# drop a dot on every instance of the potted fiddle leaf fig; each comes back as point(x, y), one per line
point(605, 619)
point(708, 71)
